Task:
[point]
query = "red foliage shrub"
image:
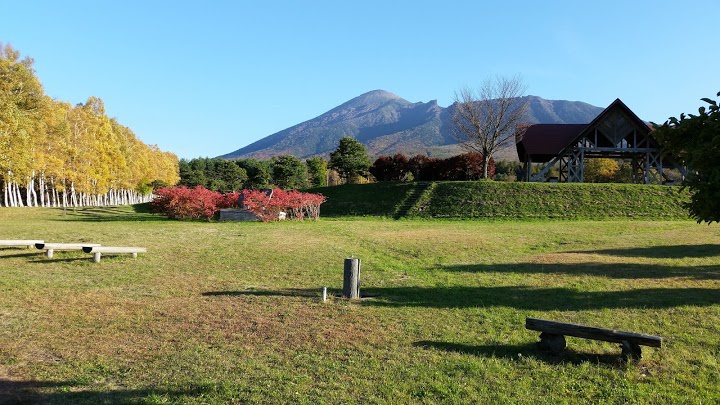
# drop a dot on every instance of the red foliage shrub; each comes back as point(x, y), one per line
point(297, 205)
point(388, 168)
point(186, 203)
point(228, 200)
point(201, 203)
point(467, 166)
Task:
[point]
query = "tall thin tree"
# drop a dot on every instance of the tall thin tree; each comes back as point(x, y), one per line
point(485, 118)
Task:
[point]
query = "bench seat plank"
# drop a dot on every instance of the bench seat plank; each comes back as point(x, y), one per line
point(589, 332)
point(28, 243)
point(113, 249)
point(64, 246)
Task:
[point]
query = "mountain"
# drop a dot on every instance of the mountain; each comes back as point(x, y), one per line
point(387, 124)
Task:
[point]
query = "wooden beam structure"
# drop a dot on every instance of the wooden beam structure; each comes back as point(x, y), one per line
point(616, 133)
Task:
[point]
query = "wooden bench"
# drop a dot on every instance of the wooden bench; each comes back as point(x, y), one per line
point(98, 251)
point(20, 243)
point(51, 247)
point(553, 335)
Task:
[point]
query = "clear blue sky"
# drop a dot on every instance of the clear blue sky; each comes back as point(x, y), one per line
point(206, 78)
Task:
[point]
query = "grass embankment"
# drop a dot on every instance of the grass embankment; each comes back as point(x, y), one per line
point(481, 199)
point(231, 312)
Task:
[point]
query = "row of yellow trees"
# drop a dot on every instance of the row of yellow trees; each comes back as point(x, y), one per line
point(55, 154)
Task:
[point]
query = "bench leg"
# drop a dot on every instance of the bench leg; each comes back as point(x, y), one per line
point(134, 255)
point(552, 343)
point(49, 253)
point(631, 350)
point(96, 257)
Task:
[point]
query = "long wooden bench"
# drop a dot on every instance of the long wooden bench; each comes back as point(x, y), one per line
point(49, 248)
point(98, 251)
point(553, 335)
point(20, 243)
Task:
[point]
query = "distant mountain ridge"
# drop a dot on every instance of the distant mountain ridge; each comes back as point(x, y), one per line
point(387, 124)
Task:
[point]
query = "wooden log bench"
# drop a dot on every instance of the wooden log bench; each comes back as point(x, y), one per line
point(98, 251)
point(49, 248)
point(20, 243)
point(553, 335)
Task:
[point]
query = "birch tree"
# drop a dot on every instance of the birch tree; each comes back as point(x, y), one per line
point(21, 109)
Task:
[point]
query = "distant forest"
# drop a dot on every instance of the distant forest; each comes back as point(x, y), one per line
point(288, 172)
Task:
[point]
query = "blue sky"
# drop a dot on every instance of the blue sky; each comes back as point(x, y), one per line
point(206, 78)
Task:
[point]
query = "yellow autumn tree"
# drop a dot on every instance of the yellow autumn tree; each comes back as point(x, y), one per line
point(56, 154)
point(21, 109)
point(600, 170)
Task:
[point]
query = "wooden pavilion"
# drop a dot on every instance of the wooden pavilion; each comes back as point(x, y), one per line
point(616, 133)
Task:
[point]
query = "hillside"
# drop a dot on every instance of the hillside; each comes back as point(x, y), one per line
point(387, 124)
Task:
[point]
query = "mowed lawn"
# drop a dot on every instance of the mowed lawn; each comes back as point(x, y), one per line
point(232, 312)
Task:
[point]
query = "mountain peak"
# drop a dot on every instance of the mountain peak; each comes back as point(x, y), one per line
point(388, 124)
point(376, 96)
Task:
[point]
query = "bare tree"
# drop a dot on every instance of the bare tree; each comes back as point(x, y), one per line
point(485, 118)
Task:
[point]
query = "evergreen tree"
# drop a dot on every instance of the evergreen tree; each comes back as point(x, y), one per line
point(317, 171)
point(289, 173)
point(350, 159)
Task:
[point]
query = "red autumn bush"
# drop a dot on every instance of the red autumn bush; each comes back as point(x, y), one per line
point(295, 204)
point(228, 200)
point(187, 203)
point(201, 203)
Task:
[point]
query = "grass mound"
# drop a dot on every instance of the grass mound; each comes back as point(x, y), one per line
point(486, 199)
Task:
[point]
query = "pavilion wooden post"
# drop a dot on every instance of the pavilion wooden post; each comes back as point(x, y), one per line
point(351, 278)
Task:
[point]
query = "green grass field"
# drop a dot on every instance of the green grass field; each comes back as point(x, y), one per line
point(231, 312)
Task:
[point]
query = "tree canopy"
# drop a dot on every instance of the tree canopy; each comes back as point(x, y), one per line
point(317, 171)
point(350, 159)
point(53, 153)
point(289, 172)
point(695, 140)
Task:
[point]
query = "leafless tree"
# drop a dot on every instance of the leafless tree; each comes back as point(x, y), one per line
point(485, 118)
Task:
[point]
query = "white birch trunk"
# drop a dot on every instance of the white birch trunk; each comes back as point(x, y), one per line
point(41, 188)
point(18, 195)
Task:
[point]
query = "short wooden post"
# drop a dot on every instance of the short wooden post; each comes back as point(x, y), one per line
point(324, 294)
point(134, 255)
point(96, 257)
point(49, 253)
point(351, 279)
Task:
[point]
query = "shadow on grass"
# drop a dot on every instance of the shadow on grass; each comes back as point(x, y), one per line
point(525, 298)
point(540, 299)
point(289, 292)
point(56, 260)
point(612, 270)
point(16, 255)
point(138, 212)
point(517, 352)
point(52, 392)
point(662, 252)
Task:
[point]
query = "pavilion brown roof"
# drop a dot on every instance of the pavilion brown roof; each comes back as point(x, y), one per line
point(545, 141)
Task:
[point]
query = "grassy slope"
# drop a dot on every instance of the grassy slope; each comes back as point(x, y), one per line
point(230, 311)
point(478, 199)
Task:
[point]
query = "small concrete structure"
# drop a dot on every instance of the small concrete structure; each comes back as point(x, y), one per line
point(51, 247)
point(230, 214)
point(234, 214)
